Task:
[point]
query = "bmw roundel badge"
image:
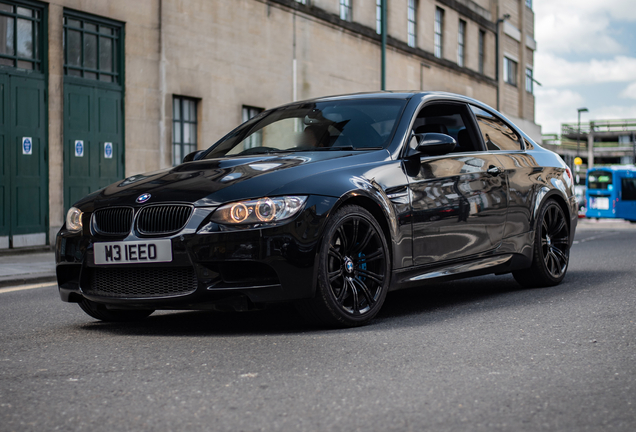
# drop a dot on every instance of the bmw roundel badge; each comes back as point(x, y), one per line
point(143, 198)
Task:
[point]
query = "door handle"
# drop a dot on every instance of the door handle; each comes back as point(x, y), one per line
point(494, 170)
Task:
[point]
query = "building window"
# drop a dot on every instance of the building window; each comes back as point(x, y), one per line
point(439, 32)
point(529, 3)
point(510, 71)
point(412, 23)
point(20, 37)
point(302, 1)
point(255, 139)
point(482, 50)
point(184, 128)
point(461, 43)
point(91, 49)
point(378, 16)
point(345, 10)
point(529, 81)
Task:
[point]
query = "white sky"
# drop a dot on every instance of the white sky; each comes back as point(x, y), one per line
point(586, 57)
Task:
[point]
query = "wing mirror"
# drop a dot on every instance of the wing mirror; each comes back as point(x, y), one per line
point(192, 156)
point(432, 144)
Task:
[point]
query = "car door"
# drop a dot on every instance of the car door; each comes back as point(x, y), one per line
point(521, 170)
point(459, 200)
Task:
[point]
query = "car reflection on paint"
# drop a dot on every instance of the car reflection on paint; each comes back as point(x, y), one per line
point(328, 204)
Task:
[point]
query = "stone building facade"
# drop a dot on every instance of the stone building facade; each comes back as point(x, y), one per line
point(95, 90)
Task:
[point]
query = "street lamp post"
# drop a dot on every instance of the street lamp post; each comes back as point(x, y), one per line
point(578, 134)
point(578, 142)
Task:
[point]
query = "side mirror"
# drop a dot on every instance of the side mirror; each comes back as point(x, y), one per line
point(434, 144)
point(192, 156)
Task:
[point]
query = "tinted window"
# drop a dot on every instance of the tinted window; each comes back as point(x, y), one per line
point(449, 119)
point(628, 186)
point(341, 124)
point(599, 179)
point(497, 134)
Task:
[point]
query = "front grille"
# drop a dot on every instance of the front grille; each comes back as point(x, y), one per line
point(142, 282)
point(163, 219)
point(113, 221)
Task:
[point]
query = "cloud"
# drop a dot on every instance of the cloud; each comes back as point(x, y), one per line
point(554, 71)
point(581, 26)
point(556, 106)
point(629, 92)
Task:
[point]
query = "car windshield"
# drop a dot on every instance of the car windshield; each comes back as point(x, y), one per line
point(359, 124)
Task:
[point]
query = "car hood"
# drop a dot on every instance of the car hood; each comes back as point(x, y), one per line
point(216, 181)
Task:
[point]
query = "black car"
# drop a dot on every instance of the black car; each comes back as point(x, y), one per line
point(328, 203)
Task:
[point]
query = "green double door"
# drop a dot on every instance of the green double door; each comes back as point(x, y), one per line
point(93, 140)
point(23, 161)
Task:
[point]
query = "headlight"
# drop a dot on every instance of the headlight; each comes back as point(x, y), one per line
point(74, 219)
point(264, 210)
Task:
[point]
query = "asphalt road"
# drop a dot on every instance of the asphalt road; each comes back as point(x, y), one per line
point(475, 355)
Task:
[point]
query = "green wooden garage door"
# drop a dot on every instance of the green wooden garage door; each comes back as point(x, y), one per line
point(93, 104)
point(93, 140)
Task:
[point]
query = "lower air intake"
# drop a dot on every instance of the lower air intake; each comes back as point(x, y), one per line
point(143, 283)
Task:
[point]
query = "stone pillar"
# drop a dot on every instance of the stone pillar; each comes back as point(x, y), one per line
point(56, 120)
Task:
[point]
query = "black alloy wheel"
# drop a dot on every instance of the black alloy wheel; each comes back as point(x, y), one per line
point(102, 313)
point(551, 253)
point(353, 273)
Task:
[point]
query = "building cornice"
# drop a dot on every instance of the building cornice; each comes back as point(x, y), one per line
point(370, 33)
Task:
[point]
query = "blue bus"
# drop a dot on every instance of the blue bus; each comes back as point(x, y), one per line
point(611, 192)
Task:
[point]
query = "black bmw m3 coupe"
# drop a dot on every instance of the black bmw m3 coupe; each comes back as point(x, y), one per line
point(328, 203)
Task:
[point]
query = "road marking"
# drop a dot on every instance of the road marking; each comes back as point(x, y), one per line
point(26, 287)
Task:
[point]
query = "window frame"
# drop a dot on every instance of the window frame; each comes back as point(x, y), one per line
point(411, 26)
point(346, 10)
point(117, 48)
point(439, 33)
point(247, 113)
point(181, 122)
point(38, 19)
point(461, 43)
point(481, 43)
point(529, 80)
point(510, 71)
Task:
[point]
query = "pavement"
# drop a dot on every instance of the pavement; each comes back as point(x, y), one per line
point(37, 265)
point(27, 266)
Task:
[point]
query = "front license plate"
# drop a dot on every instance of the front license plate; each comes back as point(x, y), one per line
point(129, 252)
point(600, 203)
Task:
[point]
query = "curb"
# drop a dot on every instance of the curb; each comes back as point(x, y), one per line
point(26, 280)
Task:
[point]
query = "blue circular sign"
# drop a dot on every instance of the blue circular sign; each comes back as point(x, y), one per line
point(143, 198)
point(79, 148)
point(108, 150)
point(26, 146)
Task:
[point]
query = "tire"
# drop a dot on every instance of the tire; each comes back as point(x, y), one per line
point(100, 312)
point(551, 251)
point(354, 271)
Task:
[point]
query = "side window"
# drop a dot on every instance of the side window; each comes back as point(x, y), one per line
point(497, 134)
point(450, 119)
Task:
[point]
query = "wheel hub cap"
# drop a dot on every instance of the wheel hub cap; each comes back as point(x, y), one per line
point(348, 265)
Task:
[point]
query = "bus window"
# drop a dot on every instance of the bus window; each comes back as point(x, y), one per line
point(628, 186)
point(599, 179)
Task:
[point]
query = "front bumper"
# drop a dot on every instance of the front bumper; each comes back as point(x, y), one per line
point(211, 268)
